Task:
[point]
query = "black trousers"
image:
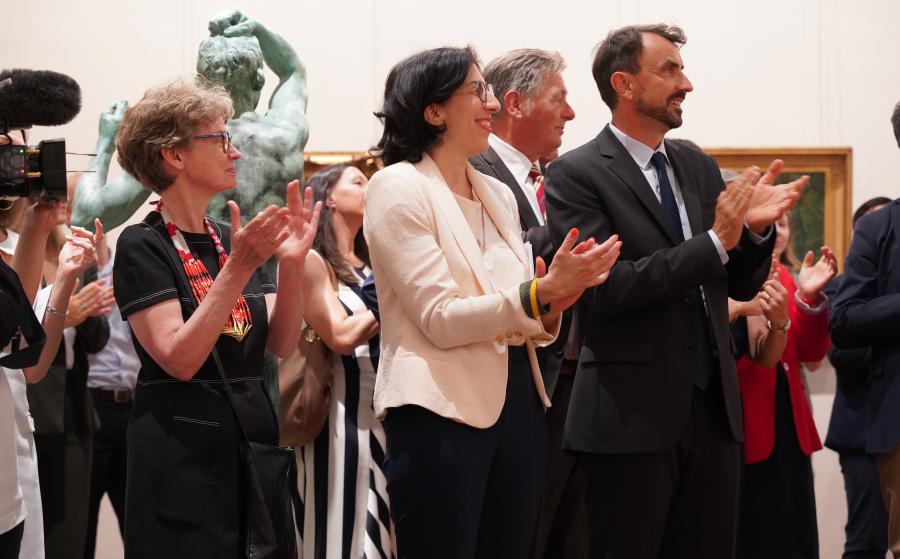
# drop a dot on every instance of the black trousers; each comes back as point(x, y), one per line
point(562, 526)
point(461, 492)
point(64, 468)
point(679, 503)
point(866, 528)
point(778, 508)
point(108, 473)
point(11, 541)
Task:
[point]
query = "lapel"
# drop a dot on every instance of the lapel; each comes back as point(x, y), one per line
point(500, 214)
point(446, 206)
point(623, 166)
point(687, 182)
point(501, 172)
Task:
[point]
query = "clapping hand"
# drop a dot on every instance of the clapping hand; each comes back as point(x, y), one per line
point(769, 201)
point(814, 277)
point(732, 206)
point(773, 300)
point(301, 226)
point(574, 269)
point(94, 299)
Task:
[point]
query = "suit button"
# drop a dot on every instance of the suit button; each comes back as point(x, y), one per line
point(689, 349)
point(689, 298)
point(518, 334)
point(508, 336)
point(499, 339)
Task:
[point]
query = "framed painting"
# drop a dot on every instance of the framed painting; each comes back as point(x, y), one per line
point(314, 161)
point(822, 217)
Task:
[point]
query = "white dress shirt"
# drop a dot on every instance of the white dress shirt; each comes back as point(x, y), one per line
point(519, 166)
point(642, 155)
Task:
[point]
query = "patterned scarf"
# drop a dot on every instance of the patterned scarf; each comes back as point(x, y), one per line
point(240, 321)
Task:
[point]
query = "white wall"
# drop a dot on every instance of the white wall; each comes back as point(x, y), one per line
point(766, 73)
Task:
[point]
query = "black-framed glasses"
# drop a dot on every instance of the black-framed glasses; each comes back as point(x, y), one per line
point(482, 90)
point(224, 136)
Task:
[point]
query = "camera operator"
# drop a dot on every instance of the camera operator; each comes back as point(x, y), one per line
point(19, 283)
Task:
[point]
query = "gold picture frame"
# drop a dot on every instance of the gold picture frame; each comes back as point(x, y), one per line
point(314, 161)
point(828, 198)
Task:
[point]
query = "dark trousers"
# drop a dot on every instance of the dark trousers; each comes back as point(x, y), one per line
point(562, 527)
point(461, 492)
point(778, 508)
point(11, 541)
point(866, 529)
point(108, 473)
point(64, 468)
point(679, 503)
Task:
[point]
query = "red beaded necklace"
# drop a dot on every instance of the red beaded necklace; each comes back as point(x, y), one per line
point(240, 321)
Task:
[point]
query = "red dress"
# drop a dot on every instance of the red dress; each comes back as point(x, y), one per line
point(808, 341)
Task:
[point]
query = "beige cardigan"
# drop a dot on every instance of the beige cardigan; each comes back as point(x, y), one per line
point(444, 327)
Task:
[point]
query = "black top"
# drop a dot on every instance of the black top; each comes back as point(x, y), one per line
point(183, 496)
point(144, 276)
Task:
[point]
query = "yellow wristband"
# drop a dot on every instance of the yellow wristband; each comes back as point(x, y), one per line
point(532, 292)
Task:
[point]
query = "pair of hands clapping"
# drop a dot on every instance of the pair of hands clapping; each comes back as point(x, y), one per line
point(287, 232)
point(78, 254)
point(575, 267)
point(754, 198)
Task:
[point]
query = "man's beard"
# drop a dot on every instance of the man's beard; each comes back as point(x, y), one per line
point(672, 118)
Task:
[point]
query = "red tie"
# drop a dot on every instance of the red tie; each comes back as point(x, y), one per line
point(538, 179)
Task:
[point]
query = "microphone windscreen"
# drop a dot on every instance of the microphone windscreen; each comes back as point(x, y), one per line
point(38, 97)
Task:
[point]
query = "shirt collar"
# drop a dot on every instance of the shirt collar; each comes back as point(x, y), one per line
point(516, 161)
point(638, 151)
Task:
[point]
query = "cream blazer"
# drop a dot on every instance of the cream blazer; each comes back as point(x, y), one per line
point(445, 327)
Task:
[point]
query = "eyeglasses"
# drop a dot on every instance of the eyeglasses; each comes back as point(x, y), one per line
point(224, 136)
point(482, 90)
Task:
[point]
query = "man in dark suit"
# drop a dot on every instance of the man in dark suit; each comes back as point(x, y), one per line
point(866, 313)
point(533, 113)
point(866, 527)
point(655, 412)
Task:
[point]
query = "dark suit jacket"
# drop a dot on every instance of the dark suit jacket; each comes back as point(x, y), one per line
point(847, 427)
point(549, 358)
point(638, 361)
point(866, 312)
point(491, 165)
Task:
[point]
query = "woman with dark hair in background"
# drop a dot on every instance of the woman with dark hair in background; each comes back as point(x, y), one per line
point(462, 304)
point(341, 480)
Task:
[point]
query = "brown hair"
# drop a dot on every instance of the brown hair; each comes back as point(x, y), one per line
point(166, 117)
point(621, 51)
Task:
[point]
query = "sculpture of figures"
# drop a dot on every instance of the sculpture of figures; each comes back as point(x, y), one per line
point(271, 144)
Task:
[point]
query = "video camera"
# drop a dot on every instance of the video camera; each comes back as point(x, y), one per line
point(28, 98)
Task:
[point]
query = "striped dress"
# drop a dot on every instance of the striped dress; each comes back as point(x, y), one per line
point(342, 485)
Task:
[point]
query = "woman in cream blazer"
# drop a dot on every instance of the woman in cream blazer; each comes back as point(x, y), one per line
point(458, 384)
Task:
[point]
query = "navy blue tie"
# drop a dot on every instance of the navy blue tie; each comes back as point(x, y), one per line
point(705, 364)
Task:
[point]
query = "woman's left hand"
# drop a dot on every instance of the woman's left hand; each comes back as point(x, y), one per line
point(77, 255)
point(812, 278)
point(301, 227)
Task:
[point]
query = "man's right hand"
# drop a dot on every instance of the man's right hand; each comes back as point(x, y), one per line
point(111, 118)
point(731, 207)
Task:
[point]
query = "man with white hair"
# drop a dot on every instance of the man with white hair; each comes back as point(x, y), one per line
point(527, 129)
